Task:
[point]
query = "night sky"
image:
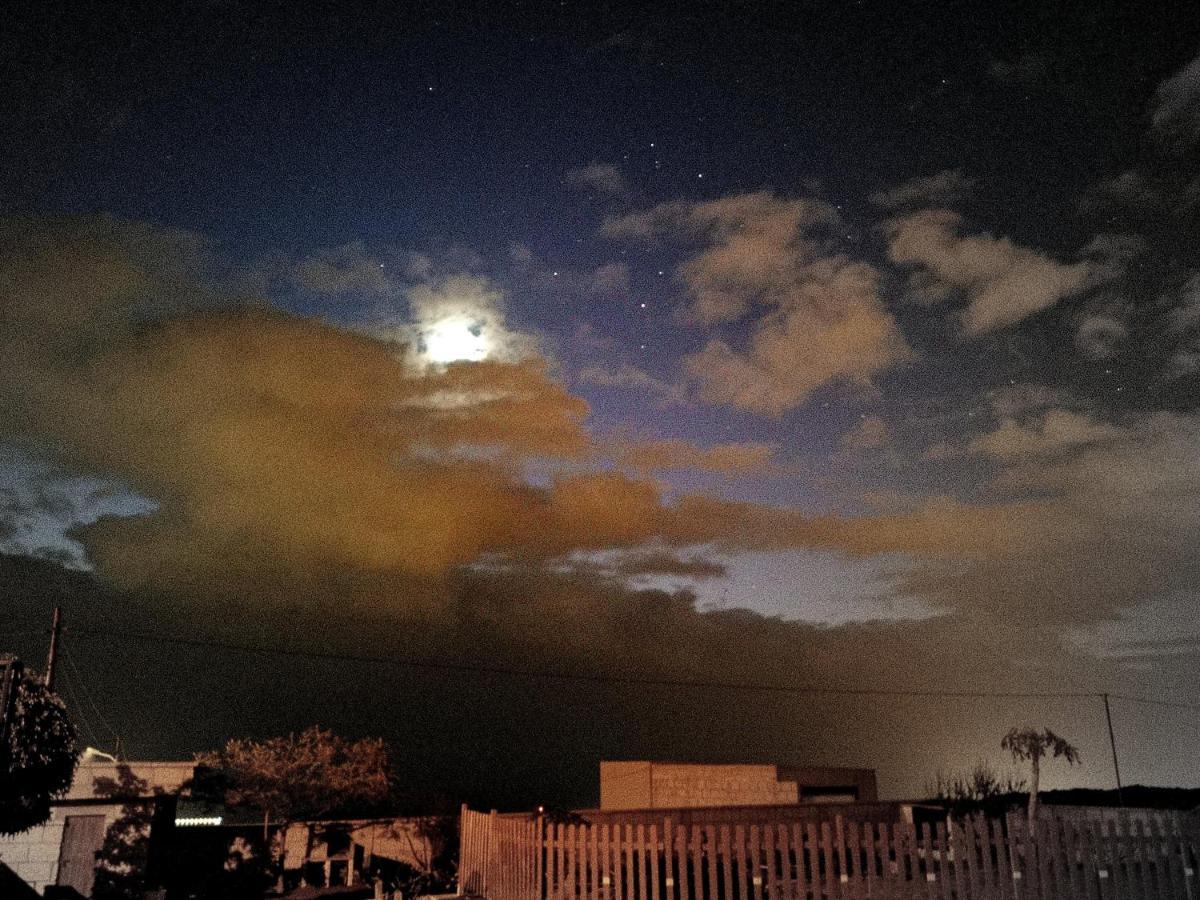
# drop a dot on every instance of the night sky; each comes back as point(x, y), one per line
point(850, 345)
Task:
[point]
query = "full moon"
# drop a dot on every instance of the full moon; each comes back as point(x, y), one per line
point(455, 339)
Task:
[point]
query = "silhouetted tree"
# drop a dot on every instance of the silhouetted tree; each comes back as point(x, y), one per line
point(980, 790)
point(42, 754)
point(122, 858)
point(1031, 745)
point(300, 776)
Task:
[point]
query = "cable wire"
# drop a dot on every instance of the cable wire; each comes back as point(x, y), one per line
point(81, 683)
point(594, 677)
point(76, 709)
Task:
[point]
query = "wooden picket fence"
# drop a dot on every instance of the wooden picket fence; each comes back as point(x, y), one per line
point(1147, 856)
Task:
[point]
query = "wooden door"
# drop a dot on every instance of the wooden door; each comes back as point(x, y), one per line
point(82, 837)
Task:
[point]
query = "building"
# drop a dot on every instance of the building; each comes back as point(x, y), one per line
point(350, 851)
point(62, 851)
point(646, 785)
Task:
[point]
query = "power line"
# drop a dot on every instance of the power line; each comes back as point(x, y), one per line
point(76, 708)
point(600, 678)
point(81, 683)
point(1152, 701)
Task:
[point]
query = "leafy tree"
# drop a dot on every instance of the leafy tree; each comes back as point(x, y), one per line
point(42, 754)
point(301, 776)
point(305, 775)
point(1032, 744)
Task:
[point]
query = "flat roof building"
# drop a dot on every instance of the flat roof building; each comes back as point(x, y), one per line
point(644, 784)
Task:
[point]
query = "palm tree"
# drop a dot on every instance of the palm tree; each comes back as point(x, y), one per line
point(1032, 744)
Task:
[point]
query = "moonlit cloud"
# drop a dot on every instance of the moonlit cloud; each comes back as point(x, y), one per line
point(814, 317)
point(627, 377)
point(1003, 282)
point(1057, 431)
point(943, 189)
point(742, 458)
point(871, 433)
point(604, 178)
point(830, 327)
point(457, 317)
point(348, 269)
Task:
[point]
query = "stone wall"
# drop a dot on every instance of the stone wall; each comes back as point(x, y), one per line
point(33, 854)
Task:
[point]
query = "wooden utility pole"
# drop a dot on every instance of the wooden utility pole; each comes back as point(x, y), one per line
point(52, 655)
point(1112, 742)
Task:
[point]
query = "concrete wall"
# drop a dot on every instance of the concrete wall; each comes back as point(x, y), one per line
point(655, 785)
point(651, 785)
point(34, 854)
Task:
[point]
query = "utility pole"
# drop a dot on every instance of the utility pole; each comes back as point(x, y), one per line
point(52, 655)
point(1112, 742)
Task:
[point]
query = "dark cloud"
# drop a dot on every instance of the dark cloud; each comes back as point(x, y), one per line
point(1175, 114)
point(604, 178)
point(1027, 69)
point(629, 377)
point(1100, 336)
point(943, 189)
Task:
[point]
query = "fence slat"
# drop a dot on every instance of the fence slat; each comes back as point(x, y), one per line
point(876, 870)
point(654, 851)
point(681, 863)
point(800, 879)
point(618, 848)
point(1074, 869)
point(755, 872)
point(1123, 871)
point(739, 841)
point(769, 873)
point(930, 888)
point(631, 879)
point(695, 852)
point(1063, 865)
point(912, 852)
point(1106, 862)
point(852, 862)
point(668, 837)
point(643, 888)
point(1167, 866)
point(726, 863)
point(831, 887)
point(1152, 881)
point(941, 845)
point(710, 852)
point(787, 880)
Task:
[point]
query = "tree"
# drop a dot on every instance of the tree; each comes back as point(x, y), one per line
point(980, 790)
point(1031, 744)
point(42, 754)
point(301, 776)
point(122, 858)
